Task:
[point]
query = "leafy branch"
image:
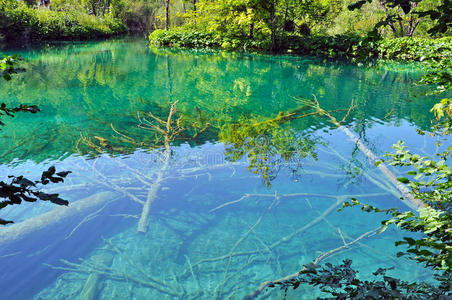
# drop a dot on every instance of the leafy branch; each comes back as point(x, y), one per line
point(22, 189)
point(341, 282)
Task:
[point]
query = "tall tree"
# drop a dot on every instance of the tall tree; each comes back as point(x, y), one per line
point(167, 20)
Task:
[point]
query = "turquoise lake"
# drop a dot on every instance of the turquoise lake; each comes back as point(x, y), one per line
point(199, 174)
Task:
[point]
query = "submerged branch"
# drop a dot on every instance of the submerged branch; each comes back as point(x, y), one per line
point(314, 104)
point(320, 258)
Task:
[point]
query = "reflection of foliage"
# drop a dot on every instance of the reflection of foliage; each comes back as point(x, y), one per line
point(106, 92)
point(7, 68)
point(22, 189)
point(10, 111)
point(341, 282)
point(163, 132)
point(268, 144)
point(164, 127)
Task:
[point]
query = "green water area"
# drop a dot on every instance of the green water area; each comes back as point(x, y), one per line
point(200, 174)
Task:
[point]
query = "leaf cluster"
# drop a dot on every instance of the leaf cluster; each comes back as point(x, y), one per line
point(22, 189)
point(342, 282)
point(8, 66)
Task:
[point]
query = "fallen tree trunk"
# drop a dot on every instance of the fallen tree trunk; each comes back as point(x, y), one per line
point(411, 201)
point(23, 229)
point(152, 194)
point(91, 288)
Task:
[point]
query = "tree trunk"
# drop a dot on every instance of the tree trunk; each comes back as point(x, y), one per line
point(391, 25)
point(104, 8)
point(412, 24)
point(273, 25)
point(284, 24)
point(402, 31)
point(194, 11)
point(27, 228)
point(93, 7)
point(167, 4)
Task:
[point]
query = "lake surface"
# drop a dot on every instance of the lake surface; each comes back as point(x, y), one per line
point(241, 188)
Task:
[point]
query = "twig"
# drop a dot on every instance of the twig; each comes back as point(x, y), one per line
point(317, 261)
point(346, 245)
point(342, 236)
point(195, 278)
point(246, 196)
point(89, 218)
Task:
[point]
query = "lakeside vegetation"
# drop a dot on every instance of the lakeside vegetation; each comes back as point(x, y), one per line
point(325, 28)
point(21, 23)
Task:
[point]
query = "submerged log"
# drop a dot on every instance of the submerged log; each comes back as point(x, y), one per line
point(152, 194)
point(410, 200)
point(168, 133)
point(23, 229)
point(91, 288)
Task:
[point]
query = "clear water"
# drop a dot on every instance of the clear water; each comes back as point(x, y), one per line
point(290, 176)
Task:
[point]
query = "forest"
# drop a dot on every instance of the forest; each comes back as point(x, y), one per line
point(226, 149)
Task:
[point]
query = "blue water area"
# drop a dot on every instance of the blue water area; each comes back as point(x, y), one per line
point(200, 174)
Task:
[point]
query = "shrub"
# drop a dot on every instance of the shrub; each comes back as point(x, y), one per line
point(184, 38)
point(415, 48)
point(18, 21)
point(348, 46)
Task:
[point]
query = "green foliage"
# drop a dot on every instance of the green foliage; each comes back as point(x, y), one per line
point(18, 21)
point(432, 179)
point(137, 15)
point(280, 25)
point(348, 46)
point(403, 16)
point(183, 38)
point(7, 66)
point(434, 249)
point(250, 24)
point(341, 282)
point(416, 49)
point(442, 16)
point(435, 53)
